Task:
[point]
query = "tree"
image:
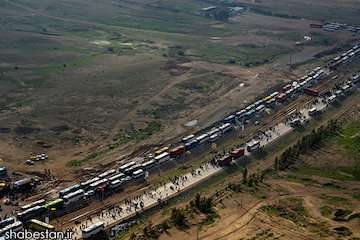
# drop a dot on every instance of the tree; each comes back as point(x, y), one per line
point(178, 217)
point(245, 173)
point(262, 176)
point(276, 164)
point(202, 204)
point(132, 236)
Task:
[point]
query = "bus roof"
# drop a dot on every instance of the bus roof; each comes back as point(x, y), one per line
point(93, 227)
point(46, 225)
point(53, 202)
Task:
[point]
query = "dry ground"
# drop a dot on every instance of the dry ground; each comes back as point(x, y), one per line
point(81, 99)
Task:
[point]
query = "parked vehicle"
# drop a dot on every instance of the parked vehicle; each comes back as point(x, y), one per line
point(93, 230)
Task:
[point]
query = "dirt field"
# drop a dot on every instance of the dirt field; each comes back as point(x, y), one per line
point(91, 88)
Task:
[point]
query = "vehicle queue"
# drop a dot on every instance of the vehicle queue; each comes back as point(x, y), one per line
point(114, 180)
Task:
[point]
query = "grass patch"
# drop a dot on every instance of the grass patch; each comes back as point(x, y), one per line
point(334, 200)
point(204, 84)
point(123, 138)
point(349, 138)
point(356, 196)
point(290, 208)
point(300, 179)
point(245, 55)
point(326, 211)
point(210, 219)
point(136, 134)
point(352, 172)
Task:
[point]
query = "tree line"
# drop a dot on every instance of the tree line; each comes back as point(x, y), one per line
point(312, 141)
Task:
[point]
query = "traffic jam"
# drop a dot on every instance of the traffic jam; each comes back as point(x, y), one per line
point(36, 215)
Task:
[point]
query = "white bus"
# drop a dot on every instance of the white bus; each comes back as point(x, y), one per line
point(162, 157)
point(86, 184)
point(74, 197)
point(92, 230)
point(126, 166)
point(15, 227)
point(33, 204)
point(108, 173)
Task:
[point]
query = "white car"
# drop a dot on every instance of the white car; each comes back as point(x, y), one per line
point(29, 162)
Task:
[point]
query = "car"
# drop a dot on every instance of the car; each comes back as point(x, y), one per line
point(29, 162)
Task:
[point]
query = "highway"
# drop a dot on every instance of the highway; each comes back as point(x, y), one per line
point(152, 198)
point(274, 127)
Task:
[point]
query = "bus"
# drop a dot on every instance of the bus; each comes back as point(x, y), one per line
point(85, 185)
point(93, 230)
point(37, 211)
point(69, 190)
point(40, 226)
point(79, 195)
point(108, 173)
point(161, 150)
point(33, 204)
point(57, 204)
point(7, 222)
point(15, 227)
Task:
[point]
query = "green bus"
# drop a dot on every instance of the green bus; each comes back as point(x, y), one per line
point(55, 204)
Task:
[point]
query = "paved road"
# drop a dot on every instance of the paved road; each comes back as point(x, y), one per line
point(179, 184)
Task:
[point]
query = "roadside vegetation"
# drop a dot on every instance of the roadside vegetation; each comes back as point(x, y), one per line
point(119, 140)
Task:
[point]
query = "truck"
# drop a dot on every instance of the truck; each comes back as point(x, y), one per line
point(177, 151)
point(237, 153)
point(225, 160)
point(312, 92)
point(316, 25)
point(253, 146)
